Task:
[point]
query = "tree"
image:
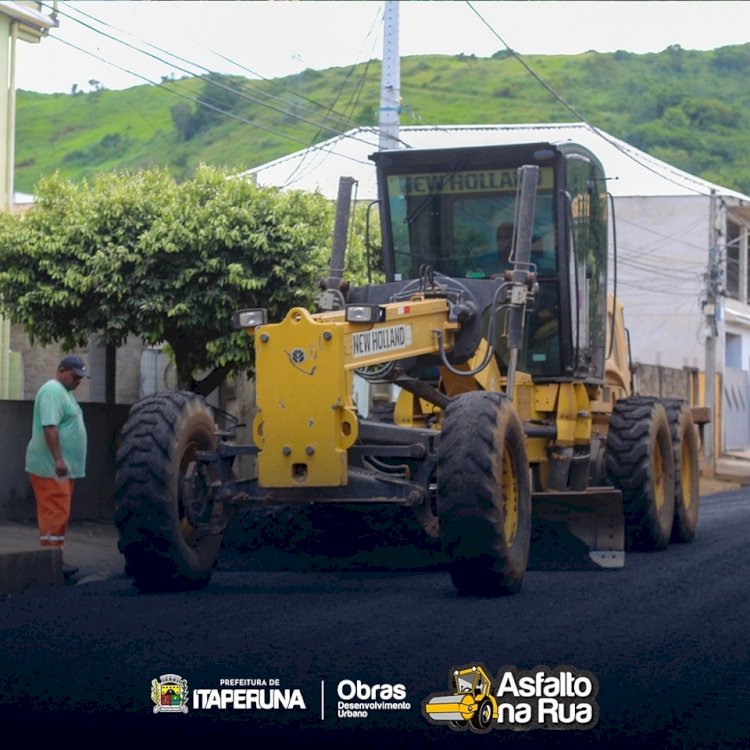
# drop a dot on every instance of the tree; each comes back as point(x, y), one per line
point(219, 96)
point(182, 119)
point(139, 254)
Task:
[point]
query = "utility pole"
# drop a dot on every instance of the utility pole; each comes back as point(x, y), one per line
point(388, 126)
point(711, 312)
point(390, 80)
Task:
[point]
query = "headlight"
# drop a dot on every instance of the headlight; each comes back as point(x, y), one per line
point(249, 318)
point(364, 314)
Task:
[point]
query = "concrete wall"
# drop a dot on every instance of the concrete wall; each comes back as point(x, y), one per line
point(39, 364)
point(667, 382)
point(92, 499)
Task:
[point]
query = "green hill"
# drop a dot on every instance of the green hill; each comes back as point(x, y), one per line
point(683, 106)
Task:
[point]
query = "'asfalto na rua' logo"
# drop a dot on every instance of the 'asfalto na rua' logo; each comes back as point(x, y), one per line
point(539, 698)
point(169, 694)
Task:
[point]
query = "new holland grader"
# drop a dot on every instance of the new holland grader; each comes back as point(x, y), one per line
point(514, 434)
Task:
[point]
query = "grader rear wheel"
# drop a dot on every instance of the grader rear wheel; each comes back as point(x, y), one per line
point(169, 531)
point(687, 470)
point(484, 499)
point(640, 462)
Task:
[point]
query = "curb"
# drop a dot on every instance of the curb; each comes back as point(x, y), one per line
point(28, 569)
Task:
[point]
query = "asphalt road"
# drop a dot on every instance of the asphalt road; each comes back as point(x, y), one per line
point(666, 639)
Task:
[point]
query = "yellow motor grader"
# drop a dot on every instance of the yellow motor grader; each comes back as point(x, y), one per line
point(513, 432)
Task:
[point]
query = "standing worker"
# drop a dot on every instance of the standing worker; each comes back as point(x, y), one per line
point(56, 454)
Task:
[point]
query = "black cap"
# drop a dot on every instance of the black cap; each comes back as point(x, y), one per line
point(75, 363)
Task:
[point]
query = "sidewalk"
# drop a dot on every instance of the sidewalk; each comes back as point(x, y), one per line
point(92, 548)
point(734, 466)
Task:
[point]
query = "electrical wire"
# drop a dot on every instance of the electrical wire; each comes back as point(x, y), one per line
point(201, 77)
point(297, 169)
point(195, 100)
point(670, 248)
point(207, 80)
point(657, 243)
point(612, 141)
point(183, 95)
point(323, 126)
point(242, 67)
point(674, 272)
point(643, 287)
point(245, 84)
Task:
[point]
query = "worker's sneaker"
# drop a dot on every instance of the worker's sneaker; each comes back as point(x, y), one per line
point(69, 570)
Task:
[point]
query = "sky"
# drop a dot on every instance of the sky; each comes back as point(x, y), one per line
point(274, 38)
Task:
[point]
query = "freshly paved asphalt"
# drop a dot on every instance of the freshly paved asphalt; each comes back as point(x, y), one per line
point(665, 636)
point(92, 548)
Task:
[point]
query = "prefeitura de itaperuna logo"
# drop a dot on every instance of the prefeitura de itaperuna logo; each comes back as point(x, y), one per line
point(169, 694)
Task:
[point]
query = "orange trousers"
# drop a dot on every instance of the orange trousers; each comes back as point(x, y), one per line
point(53, 499)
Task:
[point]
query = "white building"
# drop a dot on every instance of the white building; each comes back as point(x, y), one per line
point(663, 230)
point(28, 23)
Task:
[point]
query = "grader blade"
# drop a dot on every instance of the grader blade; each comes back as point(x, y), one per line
point(577, 530)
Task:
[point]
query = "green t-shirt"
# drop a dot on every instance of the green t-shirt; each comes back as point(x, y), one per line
point(56, 405)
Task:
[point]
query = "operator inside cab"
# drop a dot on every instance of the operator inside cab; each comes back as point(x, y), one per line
point(499, 259)
point(504, 239)
point(541, 323)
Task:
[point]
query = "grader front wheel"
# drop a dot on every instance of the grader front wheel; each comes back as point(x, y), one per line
point(169, 530)
point(484, 499)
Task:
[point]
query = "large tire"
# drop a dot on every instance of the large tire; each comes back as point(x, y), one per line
point(484, 498)
point(640, 462)
point(687, 471)
point(169, 532)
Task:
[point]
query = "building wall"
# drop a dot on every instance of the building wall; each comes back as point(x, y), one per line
point(662, 256)
point(5, 100)
point(39, 364)
point(92, 499)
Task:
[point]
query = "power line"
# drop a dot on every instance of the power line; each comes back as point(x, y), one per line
point(220, 55)
point(670, 255)
point(660, 272)
point(189, 62)
point(208, 80)
point(613, 142)
point(193, 99)
point(657, 290)
point(352, 104)
point(657, 243)
point(203, 78)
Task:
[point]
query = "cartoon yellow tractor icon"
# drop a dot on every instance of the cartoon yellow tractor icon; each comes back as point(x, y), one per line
point(471, 702)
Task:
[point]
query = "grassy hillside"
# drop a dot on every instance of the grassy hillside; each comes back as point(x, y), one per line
point(683, 106)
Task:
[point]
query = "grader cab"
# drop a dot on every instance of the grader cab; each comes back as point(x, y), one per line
point(514, 434)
